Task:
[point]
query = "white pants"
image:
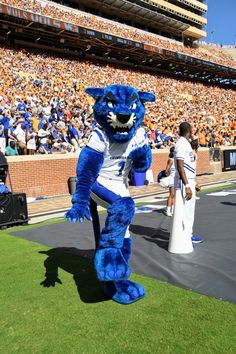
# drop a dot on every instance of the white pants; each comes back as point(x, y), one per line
point(189, 206)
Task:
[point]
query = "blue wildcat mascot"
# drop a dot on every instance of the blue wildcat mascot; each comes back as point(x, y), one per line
point(113, 148)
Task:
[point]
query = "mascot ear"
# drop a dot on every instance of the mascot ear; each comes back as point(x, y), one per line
point(95, 92)
point(146, 96)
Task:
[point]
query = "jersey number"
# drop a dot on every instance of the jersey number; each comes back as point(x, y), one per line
point(122, 166)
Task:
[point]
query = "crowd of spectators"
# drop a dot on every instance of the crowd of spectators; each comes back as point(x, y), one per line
point(66, 14)
point(44, 109)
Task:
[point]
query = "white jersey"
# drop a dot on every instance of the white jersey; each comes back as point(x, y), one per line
point(116, 164)
point(184, 151)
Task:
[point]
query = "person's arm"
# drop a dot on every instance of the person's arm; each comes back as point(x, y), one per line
point(180, 168)
point(77, 138)
point(42, 133)
point(28, 136)
point(168, 167)
point(15, 136)
point(198, 187)
point(44, 150)
point(10, 136)
point(76, 135)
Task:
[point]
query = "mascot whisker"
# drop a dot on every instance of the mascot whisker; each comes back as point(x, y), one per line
point(113, 148)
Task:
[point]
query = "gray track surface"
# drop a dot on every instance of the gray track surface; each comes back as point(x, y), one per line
point(210, 269)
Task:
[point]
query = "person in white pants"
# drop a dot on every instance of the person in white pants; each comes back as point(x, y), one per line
point(185, 163)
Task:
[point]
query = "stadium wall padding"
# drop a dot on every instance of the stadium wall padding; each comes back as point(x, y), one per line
point(47, 175)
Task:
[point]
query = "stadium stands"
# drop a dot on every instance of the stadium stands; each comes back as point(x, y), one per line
point(44, 108)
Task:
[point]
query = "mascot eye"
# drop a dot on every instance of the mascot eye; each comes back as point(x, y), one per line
point(110, 104)
point(134, 106)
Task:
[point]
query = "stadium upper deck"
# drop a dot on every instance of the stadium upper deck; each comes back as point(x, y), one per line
point(41, 24)
point(179, 19)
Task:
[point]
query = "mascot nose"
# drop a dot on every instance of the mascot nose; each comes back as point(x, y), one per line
point(123, 118)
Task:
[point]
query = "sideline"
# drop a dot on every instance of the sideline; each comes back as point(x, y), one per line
point(157, 197)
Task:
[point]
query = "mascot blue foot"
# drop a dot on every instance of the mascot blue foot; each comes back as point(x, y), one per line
point(124, 291)
point(110, 264)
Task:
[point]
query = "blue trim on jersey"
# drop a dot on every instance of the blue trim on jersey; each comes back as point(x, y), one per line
point(182, 189)
point(189, 168)
point(186, 164)
point(99, 135)
point(103, 193)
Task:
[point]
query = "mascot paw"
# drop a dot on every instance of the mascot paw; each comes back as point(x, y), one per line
point(139, 153)
point(111, 265)
point(141, 158)
point(124, 291)
point(78, 213)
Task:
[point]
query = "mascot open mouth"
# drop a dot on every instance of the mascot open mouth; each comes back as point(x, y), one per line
point(119, 110)
point(120, 123)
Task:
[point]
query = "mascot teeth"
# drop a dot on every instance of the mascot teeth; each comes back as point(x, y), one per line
point(114, 123)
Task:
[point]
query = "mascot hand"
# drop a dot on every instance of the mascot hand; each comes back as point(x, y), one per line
point(141, 158)
point(77, 213)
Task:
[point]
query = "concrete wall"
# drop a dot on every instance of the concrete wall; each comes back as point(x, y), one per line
point(48, 175)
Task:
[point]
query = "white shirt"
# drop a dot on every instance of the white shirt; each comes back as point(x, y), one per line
point(31, 143)
point(20, 133)
point(43, 135)
point(184, 151)
point(116, 164)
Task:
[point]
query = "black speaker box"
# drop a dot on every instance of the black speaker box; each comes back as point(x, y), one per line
point(3, 168)
point(13, 209)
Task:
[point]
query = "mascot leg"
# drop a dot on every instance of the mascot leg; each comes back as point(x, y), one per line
point(121, 291)
point(110, 263)
point(124, 291)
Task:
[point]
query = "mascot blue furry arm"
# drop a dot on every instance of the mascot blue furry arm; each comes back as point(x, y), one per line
point(113, 148)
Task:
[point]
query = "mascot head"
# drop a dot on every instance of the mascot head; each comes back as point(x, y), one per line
point(119, 110)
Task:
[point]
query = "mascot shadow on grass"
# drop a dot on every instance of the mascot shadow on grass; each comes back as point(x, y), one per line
point(78, 263)
point(117, 145)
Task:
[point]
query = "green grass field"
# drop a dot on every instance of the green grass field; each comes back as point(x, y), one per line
point(71, 318)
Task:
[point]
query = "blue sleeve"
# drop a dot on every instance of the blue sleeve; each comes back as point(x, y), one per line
point(75, 132)
point(88, 167)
